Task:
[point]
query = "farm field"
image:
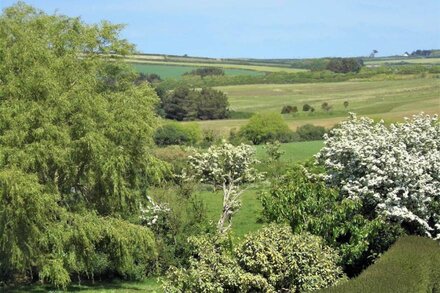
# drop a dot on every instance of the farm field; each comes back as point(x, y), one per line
point(390, 100)
point(261, 68)
point(176, 71)
point(406, 60)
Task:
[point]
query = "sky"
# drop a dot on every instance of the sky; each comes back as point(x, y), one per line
point(264, 28)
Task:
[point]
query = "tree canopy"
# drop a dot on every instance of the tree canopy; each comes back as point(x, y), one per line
point(75, 135)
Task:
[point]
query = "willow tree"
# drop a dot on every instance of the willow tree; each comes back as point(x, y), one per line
point(75, 134)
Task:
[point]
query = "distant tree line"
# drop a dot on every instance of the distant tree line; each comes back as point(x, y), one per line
point(421, 53)
point(206, 71)
point(345, 65)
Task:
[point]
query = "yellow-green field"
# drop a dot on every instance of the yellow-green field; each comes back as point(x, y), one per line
point(390, 100)
point(261, 68)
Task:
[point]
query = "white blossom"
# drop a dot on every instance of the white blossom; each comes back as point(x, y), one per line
point(397, 167)
point(226, 167)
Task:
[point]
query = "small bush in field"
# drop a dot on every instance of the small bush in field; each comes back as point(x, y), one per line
point(178, 134)
point(265, 127)
point(311, 132)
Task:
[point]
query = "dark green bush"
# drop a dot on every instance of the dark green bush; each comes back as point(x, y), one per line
point(177, 134)
point(310, 132)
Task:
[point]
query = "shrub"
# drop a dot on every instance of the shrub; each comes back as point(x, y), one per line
point(309, 206)
point(306, 107)
point(287, 109)
point(310, 132)
point(271, 260)
point(213, 268)
point(265, 127)
point(173, 218)
point(288, 262)
point(178, 134)
point(410, 265)
point(394, 171)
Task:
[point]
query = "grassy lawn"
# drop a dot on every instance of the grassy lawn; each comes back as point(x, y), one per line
point(390, 100)
point(148, 285)
point(294, 151)
point(411, 265)
point(176, 71)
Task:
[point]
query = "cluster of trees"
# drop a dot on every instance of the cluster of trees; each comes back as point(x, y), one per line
point(345, 65)
point(289, 109)
point(206, 71)
point(379, 183)
point(325, 106)
point(184, 103)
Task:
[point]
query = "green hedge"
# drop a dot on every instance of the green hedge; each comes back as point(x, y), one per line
point(412, 264)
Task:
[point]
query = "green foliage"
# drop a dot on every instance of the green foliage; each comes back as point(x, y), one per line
point(212, 104)
point(27, 208)
point(305, 204)
point(345, 65)
point(185, 216)
point(410, 265)
point(39, 236)
point(75, 150)
point(265, 127)
point(310, 132)
point(181, 104)
point(273, 150)
point(184, 103)
point(178, 134)
point(206, 71)
point(306, 107)
point(288, 262)
point(270, 260)
point(213, 268)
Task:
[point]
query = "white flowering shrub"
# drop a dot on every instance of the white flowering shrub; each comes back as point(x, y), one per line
point(226, 167)
point(394, 170)
point(154, 215)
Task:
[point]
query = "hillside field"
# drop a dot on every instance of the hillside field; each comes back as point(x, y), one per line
point(253, 67)
point(176, 71)
point(390, 100)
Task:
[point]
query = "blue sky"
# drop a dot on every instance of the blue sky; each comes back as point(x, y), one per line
point(264, 28)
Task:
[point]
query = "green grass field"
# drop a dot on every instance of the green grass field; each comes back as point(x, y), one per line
point(148, 285)
point(411, 265)
point(390, 100)
point(253, 67)
point(246, 219)
point(176, 71)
